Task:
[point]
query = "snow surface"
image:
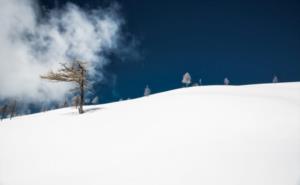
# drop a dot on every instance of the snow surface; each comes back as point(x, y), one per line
point(209, 135)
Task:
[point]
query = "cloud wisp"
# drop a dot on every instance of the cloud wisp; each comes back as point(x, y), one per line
point(31, 45)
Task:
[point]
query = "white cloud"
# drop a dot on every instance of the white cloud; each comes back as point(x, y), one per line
point(31, 45)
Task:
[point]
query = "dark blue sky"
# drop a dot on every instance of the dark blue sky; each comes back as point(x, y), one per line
point(248, 42)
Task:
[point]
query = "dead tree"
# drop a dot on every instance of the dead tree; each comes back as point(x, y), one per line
point(76, 73)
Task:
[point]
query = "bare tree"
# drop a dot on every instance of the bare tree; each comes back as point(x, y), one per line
point(147, 91)
point(76, 73)
point(226, 81)
point(187, 79)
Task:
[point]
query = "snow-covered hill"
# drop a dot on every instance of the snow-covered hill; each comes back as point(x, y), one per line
point(213, 135)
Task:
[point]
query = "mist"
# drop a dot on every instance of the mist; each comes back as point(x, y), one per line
point(32, 43)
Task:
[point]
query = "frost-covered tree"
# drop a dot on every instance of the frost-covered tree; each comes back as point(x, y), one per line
point(226, 81)
point(187, 79)
point(275, 79)
point(147, 91)
point(95, 100)
point(76, 73)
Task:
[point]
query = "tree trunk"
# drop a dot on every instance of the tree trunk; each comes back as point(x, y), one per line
point(81, 99)
point(81, 91)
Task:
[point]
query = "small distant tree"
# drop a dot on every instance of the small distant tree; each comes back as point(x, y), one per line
point(64, 104)
point(76, 73)
point(195, 84)
point(226, 81)
point(147, 91)
point(4, 110)
point(44, 108)
point(87, 101)
point(187, 79)
point(12, 109)
point(95, 100)
point(75, 101)
point(275, 79)
point(200, 81)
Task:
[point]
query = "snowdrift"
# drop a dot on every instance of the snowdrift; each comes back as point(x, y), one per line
point(210, 135)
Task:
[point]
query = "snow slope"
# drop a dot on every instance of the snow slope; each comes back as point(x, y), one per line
point(213, 135)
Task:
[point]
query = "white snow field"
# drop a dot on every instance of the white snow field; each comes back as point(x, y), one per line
point(208, 135)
